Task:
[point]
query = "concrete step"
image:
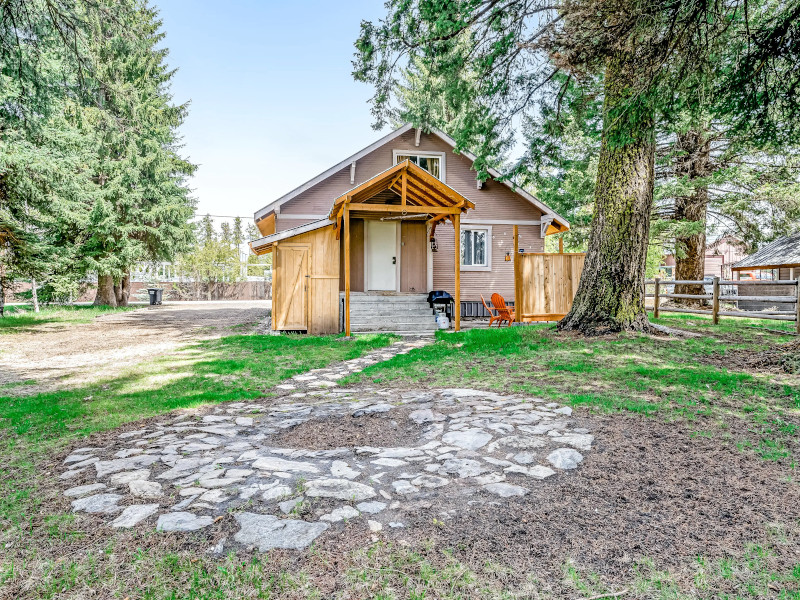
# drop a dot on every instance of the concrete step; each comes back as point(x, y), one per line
point(391, 310)
point(393, 327)
point(368, 298)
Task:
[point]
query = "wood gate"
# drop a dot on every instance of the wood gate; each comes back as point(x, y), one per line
point(290, 295)
point(545, 284)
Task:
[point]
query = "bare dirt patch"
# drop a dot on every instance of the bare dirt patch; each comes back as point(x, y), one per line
point(348, 432)
point(649, 489)
point(63, 355)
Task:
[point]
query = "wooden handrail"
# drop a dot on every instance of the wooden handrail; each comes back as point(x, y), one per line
point(722, 282)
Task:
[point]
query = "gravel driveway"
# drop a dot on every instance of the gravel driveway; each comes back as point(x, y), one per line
point(62, 355)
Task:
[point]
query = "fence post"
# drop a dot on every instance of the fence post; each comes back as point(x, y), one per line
point(797, 308)
point(656, 298)
point(715, 302)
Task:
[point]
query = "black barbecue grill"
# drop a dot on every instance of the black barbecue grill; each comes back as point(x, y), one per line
point(441, 297)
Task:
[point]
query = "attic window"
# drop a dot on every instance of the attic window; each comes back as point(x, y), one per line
point(433, 163)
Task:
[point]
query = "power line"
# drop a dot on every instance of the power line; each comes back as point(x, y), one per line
point(223, 216)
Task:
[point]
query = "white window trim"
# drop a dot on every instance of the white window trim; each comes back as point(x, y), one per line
point(489, 244)
point(442, 156)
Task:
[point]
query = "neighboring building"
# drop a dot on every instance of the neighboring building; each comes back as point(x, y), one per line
point(720, 257)
point(778, 261)
point(410, 192)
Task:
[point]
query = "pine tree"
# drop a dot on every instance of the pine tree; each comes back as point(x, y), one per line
point(143, 206)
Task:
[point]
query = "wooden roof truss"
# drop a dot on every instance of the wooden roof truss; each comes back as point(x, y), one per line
point(418, 192)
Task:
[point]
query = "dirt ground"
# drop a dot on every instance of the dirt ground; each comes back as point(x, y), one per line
point(62, 355)
point(649, 489)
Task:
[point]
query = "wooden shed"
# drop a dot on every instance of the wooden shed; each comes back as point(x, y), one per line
point(305, 292)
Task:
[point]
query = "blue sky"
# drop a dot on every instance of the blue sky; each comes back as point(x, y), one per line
point(273, 102)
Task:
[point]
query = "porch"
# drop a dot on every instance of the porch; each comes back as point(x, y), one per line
point(392, 216)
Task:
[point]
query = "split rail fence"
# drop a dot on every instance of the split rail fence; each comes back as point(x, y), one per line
point(716, 299)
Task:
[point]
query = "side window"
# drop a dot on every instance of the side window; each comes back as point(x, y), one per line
point(475, 248)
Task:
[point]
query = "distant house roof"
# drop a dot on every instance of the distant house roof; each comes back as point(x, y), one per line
point(563, 224)
point(784, 252)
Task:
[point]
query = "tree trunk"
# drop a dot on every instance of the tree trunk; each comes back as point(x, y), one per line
point(105, 291)
point(610, 295)
point(34, 295)
point(122, 290)
point(2, 296)
point(690, 251)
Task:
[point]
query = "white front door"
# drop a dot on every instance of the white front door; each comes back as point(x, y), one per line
point(381, 250)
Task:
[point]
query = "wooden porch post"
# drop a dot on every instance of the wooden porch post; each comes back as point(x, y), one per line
point(275, 277)
point(560, 245)
point(457, 308)
point(346, 226)
point(517, 278)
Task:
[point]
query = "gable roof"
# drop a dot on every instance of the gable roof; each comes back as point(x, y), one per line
point(783, 252)
point(546, 210)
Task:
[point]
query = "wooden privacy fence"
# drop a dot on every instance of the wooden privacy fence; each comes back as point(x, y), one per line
point(717, 298)
point(545, 284)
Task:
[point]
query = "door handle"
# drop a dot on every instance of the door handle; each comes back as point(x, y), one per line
point(394, 260)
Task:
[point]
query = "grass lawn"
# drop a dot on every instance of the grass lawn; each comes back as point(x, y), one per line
point(22, 318)
point(702, 381)
point(236, 367)
point(673, 378)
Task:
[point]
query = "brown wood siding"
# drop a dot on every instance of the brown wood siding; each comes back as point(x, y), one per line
point(356, 257)
point(474, 283)
point(316, 296)
point(494, 201)
point(413, 257)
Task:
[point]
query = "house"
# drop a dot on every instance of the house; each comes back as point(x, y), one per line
point(360, 246)
point(779, 261)
point(720, 257)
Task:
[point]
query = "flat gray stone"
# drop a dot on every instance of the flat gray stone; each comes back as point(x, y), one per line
point(469, 439)
point(182, 521)
point(430, 481)
point(107, 467)
point(464, 467)
point(341, 489)
point(565, 458)
point(278, 491)
point(267, 532)
point(287, 506)
point(401, 486)
point(371, 508)
point(525, 458)
point(99, 503)
point(74, 458)
point(374, 409)
point(340, 514)
point(133, 515)
point(84, 490)
point(341, 469)
point(280, 464)
point(505, 490)
point(141, 488)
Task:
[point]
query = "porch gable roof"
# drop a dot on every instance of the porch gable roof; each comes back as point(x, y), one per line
point(416, 192)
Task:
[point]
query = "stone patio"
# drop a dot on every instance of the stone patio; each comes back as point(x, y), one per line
point(181, 473)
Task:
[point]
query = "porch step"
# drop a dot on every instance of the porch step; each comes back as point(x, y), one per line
point(407, 313)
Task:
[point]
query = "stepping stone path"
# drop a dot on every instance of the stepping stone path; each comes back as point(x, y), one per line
point(181, 474)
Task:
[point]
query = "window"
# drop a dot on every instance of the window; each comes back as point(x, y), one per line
point(476, 249)
point(432, 163)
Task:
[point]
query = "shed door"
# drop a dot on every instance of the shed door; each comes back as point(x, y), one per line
point(413, 257)
point(291, 292)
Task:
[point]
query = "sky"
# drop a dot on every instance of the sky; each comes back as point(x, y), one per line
point(273, 101)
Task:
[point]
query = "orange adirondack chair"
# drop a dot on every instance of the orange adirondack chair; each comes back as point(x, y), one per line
point(492, 317)
point(504, 313)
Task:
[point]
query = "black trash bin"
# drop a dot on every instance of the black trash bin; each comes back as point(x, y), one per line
point(156, 294)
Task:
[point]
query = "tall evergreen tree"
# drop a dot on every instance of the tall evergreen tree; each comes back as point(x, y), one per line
point(657, 60)
point(143, 207)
